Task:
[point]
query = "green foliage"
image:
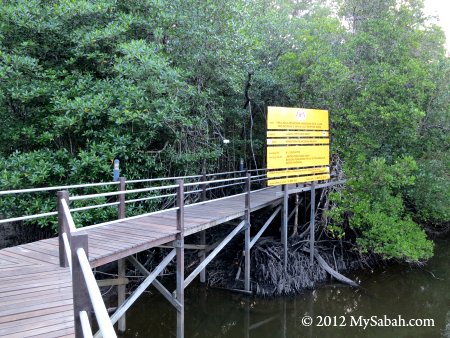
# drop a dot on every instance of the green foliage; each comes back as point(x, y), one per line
point(431, 192)
point(387, 90)
point(374, 195)
point(159, 85)
point(92, 78)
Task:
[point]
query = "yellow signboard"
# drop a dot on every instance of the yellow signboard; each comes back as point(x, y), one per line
point(297, 140)
point(297, 118)
point(288, 141)
point(297, 156)
point(302, 179)
point(296, 133)
point(297, 172)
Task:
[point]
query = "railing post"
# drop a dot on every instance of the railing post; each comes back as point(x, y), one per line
point(265, 182)
point(203, 198)
point(284, 226)
point(180, 258)
point(312, 223)
point(81, 300)
point(203, 233)
point(121, 265)
point(62, 227)
point(121, 207)
point(247, 234)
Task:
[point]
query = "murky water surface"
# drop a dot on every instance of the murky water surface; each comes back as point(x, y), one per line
point(392, 292)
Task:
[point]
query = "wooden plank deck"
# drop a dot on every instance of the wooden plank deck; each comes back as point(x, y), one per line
point(36, 294)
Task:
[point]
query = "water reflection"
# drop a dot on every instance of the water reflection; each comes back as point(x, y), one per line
point(398, 290)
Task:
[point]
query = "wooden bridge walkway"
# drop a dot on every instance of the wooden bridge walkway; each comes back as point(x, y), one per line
point(36, 293)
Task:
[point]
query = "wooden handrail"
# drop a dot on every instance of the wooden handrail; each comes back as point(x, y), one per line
point(116, 193)
point(68, 216)
point(85, 325)
point(203, 182)
point(67, 250)
point(103, 320)
point(84, 284)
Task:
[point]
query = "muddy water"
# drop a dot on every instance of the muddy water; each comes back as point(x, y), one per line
point(335, 310)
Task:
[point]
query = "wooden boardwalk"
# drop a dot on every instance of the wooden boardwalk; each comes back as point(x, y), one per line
point(36, 294)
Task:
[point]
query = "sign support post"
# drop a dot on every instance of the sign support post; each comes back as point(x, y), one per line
point(284, 230)
point(298, 151)
point(312, 224)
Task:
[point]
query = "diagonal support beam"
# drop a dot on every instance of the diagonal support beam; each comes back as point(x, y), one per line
point(291, 214)
point(167, 295)
point(213, 254)
point(264, 227)
point(141, 288)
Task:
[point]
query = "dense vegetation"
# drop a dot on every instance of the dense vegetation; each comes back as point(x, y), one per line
point(160, 84)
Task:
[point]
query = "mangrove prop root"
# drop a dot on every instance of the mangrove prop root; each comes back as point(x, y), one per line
point(332, 272)
point(268, 276)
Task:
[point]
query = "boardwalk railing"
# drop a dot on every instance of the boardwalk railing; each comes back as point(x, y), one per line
point(86, 294)
point(73, 246)
point(198, 188)
point(178, 194)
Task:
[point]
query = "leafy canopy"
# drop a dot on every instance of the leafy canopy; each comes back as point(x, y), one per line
point(159, 85)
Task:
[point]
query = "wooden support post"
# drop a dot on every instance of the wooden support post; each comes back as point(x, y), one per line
point(214, 253)
point(81, 300)
point(121, 264)
point(202, 256)
point(203, 198)
point(305, 209)
point(151, 277)
point(247, 234)
point(312, 223)
point(203, 233)
point(180, 258)
point(121, 292)
point(284, 226)
point(121, 206)
point(297, 203)
point(62, 227)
